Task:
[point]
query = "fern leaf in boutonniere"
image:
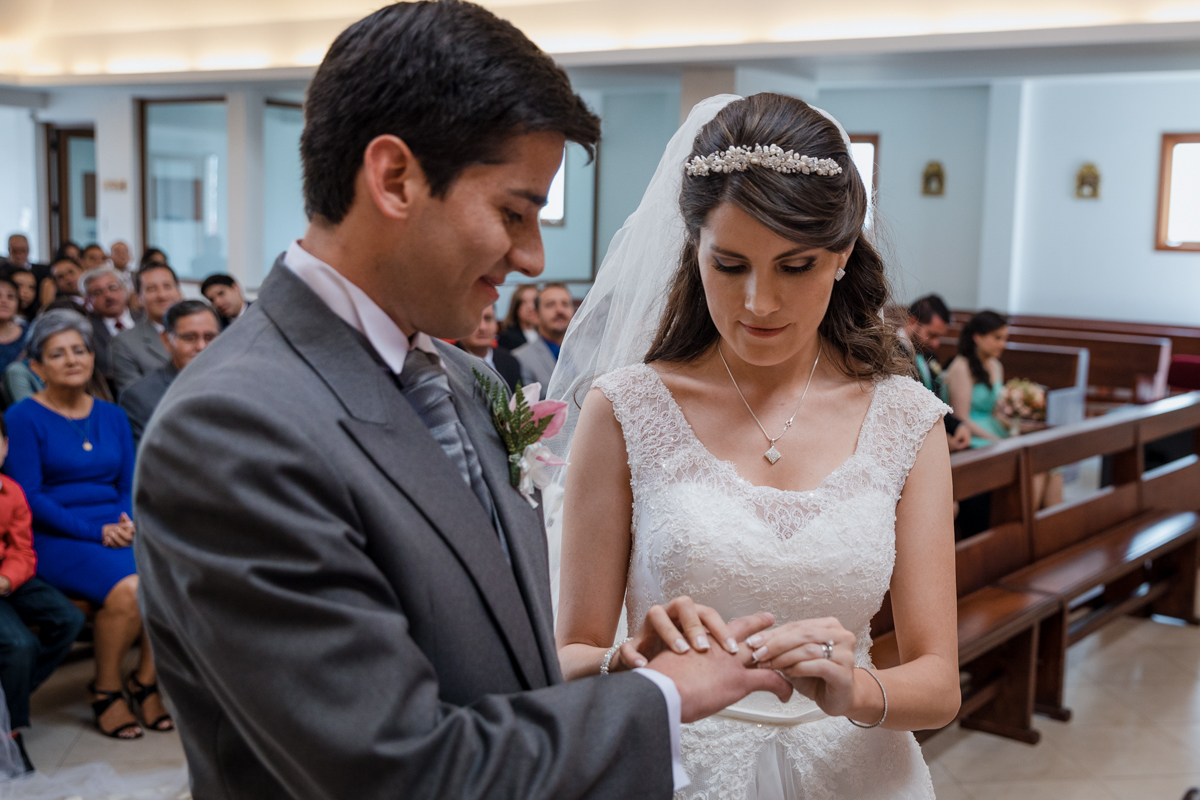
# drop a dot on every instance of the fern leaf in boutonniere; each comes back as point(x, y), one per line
point(523, 423)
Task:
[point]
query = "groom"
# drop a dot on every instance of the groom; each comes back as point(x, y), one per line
point(348, 599)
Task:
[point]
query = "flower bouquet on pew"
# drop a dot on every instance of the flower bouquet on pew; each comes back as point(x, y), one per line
point(1020, 400)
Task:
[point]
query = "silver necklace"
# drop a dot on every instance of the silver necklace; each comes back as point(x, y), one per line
point(772, 455)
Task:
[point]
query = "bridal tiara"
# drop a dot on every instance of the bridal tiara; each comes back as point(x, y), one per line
point(739, 159)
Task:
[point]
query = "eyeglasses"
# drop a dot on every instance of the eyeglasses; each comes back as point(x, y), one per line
point(194, 338)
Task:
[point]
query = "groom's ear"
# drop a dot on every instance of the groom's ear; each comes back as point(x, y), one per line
point(392, 177)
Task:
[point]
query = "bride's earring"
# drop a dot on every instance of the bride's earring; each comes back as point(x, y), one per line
point(841, 273)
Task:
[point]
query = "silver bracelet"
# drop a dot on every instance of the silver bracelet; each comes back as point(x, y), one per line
point(881, 719)
point(608, 657)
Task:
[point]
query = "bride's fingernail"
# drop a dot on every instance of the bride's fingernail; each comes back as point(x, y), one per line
point(755, 640)
point(760, 653)
point(731, 645)
point(641, 662)
point(702, 642)
point(681, 645)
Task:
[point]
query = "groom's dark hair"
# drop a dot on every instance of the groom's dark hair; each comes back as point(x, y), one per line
point(450, 78)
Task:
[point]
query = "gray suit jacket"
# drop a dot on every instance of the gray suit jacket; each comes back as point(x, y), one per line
point(140, 399)
point(135, 353)
point(329, 605)
point(537, 362)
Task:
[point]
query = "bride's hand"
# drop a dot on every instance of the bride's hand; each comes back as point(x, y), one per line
point(681, 625)
point(797, 652)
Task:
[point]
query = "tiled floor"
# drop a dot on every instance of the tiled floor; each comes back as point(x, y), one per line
point(1134, 688)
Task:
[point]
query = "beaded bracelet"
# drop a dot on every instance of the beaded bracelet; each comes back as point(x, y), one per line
point(608, 657)
point(881, 719)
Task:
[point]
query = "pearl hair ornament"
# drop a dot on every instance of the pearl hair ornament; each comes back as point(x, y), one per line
point(740, 159)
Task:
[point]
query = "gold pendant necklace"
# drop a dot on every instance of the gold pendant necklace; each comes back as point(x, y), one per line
point(772, 455)
point(83, 432)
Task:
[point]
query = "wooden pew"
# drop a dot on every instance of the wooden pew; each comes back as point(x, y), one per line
point(998, 628)
point(1053, 366)
point(1119, 364)
point(1036, 582)
point(1185, 339)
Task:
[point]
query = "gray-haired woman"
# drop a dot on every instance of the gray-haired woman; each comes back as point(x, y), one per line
point(73, 455)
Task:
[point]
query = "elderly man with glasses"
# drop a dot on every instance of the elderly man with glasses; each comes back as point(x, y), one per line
point(108, 305)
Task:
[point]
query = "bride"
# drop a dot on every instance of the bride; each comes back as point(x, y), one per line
point(749, 439)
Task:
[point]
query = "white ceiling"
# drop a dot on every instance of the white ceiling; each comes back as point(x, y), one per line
point(80, 42)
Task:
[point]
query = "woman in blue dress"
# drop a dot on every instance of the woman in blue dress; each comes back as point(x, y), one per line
point(975, 378)
point(73, 455)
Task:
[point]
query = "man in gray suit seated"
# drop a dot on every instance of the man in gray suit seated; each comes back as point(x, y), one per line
point(140, 351)
point(107, 300)
point(351, 599)
point(555, 308)
point(191, 326)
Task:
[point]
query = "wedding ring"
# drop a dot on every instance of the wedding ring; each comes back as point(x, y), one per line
point(828, 649)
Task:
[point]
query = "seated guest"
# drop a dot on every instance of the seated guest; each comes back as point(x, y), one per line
point(920, 337)
point(520, 326)
point(98, 386)
point(108, 302)
point(73, 455)
point(68, 249)
point(66, 274)
point(118, 254)
point(27, 293)
point(555, 308)
point(43, 284)
point(975, 378)
point(191, 326)
point(140, 351)
point(226, 297)
point(482, 343)
point(153, 257)
point(12, 332)
point(20, 382)
point(26, 601)
point(92, 257)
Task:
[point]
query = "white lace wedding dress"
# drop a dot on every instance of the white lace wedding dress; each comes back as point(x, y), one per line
point(700, 529)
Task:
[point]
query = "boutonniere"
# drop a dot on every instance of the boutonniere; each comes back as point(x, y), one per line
point(935, 367)
point(524, 423)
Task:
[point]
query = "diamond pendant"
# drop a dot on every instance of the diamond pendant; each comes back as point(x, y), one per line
point(772, 455)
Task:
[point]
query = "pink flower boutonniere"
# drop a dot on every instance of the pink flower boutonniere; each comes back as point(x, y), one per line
point(524, 423)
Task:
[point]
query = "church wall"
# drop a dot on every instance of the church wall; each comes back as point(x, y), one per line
point(1096, 258)
point(933, 241)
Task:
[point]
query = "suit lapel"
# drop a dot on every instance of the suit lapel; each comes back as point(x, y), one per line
point(522, 524)
point(385, 427)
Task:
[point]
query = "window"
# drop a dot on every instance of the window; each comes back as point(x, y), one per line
point(186, 188)
point(283, 185)
point(555, 210)
point(864, 149)
point(1179, 193)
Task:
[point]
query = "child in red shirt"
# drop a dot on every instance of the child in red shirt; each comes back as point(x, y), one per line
point(25, 659)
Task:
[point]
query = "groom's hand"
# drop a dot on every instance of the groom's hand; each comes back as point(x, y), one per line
point(710, 681)
point(680, 626)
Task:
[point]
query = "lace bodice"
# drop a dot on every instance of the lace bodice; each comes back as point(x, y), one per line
point(702, 530)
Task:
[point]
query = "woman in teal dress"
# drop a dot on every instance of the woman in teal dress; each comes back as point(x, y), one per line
point(975, 378)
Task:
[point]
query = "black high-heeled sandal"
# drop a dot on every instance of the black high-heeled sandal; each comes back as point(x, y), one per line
point(103, 704)
point(139, 693)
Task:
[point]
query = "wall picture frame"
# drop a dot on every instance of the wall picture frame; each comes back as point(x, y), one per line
point(933, 180)
point(1087, 182)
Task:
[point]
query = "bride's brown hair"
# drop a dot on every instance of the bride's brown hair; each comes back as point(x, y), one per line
point(810, 210)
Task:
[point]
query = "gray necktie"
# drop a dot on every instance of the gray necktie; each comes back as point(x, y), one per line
point(427, 389)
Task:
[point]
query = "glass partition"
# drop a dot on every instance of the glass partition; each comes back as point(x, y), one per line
point(186, 185)
point(283, 190)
